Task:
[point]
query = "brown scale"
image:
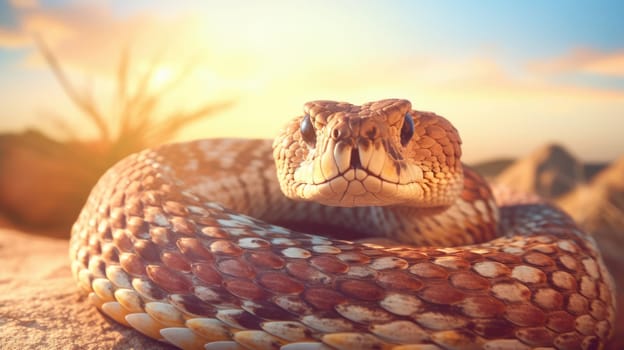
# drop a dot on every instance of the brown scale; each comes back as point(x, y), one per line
point(144, 231)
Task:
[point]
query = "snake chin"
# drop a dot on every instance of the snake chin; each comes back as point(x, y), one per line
point(358, 187)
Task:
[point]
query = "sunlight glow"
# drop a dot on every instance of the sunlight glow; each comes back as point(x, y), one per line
point(162, 76)
point(272, 59)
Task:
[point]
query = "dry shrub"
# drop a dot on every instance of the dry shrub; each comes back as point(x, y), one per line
point(43, 183)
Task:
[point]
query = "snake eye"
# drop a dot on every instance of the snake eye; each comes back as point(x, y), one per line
point(407, 130)
point(307, 131)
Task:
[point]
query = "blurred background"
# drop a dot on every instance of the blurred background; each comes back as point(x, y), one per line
point(96, 80)
point(530, 73)
point(535, 88)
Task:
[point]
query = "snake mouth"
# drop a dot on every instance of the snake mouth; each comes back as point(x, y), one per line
point(357, 187)
point(358, 162)
point(361, 174)
point(359, 177)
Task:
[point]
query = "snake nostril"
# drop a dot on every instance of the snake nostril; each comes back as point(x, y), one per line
point(355, 162)
point(372, 133)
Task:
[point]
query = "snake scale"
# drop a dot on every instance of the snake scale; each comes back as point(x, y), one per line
point(215, 244)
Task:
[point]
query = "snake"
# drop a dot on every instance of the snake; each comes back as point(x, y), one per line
point(358, 227)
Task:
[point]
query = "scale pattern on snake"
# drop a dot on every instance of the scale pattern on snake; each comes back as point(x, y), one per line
point(188, 243)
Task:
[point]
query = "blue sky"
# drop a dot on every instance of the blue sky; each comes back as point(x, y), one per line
point(531, 72)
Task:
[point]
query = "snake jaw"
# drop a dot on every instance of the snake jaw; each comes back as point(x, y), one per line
point(365, 155)
point(372, 178)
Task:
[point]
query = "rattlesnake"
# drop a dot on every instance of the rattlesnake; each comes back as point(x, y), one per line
point(188, 243)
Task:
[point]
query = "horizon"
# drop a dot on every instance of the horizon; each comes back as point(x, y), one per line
point(511, 78)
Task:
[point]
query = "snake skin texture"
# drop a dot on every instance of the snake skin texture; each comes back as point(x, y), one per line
point(198, 244)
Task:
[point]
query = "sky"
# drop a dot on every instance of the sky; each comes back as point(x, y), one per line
point(511, 76)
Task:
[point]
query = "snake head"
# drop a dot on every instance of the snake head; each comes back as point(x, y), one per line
point(379, 153)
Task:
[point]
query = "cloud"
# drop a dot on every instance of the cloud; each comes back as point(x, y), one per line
point(12, 39)
point(31, 19)
point(478, 77)
point(89, 37)
point(584, 60)
point(24, 4)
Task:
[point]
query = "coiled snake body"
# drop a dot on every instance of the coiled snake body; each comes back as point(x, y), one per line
point(182, 243)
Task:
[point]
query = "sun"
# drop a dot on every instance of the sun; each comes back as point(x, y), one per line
point(161, 77)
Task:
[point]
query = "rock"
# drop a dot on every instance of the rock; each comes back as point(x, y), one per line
point(598, 207)
point(549, 172)
point(41, 307)
point(492, 168)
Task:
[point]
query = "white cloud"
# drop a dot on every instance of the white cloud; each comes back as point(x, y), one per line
point(24, 4)
point(585, 60)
